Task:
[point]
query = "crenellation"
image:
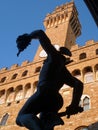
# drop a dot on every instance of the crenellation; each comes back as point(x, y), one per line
point(90, 42)
point(59, 15)
point(14, 66)
point(16, 72)
point(25, 63)
point(3, 69)
point(88, 50)
point(75, 47)
point(61, 7)
point(55, 19)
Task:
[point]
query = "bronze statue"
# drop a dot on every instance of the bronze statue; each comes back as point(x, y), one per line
point(47, 100)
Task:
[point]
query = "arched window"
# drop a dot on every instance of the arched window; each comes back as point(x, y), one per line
point(2, 96)
point(59, 19)
point(50, 20)
point(35, 86)
point(14, 76)
point(62, 17)
point(3, 80)
point(96, 51)
point(10, 95)
point(88, 74)
point(85, 102)
point(77, 73)
point(55, 21)
point(28, 90)
point(19, 93)
point(24, 73)
point(47, 23)
point(96, 71)
point(38, 69)
point(82, 56)
point(4, 119)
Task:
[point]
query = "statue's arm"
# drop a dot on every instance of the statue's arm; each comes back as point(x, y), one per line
point(77, 93)
point(24, 40)
point(44, 40)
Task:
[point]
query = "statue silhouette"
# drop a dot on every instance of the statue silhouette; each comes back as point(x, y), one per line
point(47, 100)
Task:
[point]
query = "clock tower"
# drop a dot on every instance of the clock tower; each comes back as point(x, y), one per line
point(19, 82)
point(62, 27)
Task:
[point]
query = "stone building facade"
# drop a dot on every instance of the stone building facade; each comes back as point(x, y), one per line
point(18, 83)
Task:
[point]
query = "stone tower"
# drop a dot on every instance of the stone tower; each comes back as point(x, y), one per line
point(62, 27)
point(18, 83)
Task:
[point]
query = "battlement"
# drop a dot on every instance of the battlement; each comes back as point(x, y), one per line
point(87, 44)
point(74, 48)
point(62, 14)
point(27, 69)
point(15, 66)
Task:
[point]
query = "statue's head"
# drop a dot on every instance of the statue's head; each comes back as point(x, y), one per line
point(22, 42)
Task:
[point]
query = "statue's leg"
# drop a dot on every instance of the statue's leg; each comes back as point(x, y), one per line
point(27, 115)
point(30, 121)
point(50, 117)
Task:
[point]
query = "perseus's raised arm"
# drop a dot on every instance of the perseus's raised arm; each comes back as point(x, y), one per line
point(24, 40)
point(44, 40)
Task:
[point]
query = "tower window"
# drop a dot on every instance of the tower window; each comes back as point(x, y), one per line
point(82, 56)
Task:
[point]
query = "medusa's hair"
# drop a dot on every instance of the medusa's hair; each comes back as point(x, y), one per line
point(22, 42)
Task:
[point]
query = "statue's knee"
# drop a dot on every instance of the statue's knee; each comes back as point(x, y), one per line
point(18, 121)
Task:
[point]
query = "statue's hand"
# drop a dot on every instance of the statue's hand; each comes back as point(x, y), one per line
point(70, 110)
point(22, 42)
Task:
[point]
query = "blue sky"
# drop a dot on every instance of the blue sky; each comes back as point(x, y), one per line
point(24, 16)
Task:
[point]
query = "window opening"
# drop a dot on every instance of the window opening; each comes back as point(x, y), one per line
point(4, 119)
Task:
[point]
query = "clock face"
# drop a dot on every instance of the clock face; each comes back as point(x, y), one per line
point(44, 54)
